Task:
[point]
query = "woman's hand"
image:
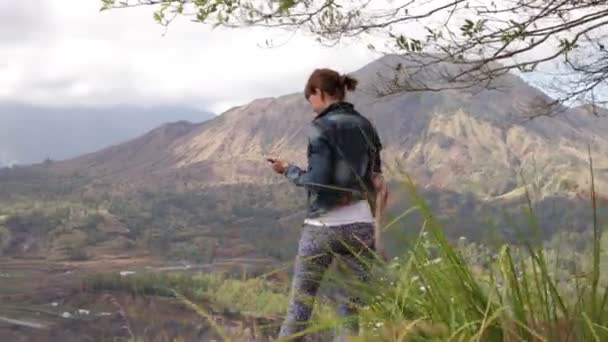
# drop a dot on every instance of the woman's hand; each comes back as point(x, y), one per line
point(278, 165)
point(381, 192)
point(381, 199)
point(378, 182)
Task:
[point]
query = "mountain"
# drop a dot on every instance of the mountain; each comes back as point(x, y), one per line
point(456, 140)
point(204, 191)
point(30, 134)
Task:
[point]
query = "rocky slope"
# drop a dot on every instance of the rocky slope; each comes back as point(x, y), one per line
point(458, 140)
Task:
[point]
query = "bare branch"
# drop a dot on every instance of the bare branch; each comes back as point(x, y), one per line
point(482, 40)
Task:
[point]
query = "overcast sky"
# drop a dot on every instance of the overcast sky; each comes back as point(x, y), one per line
point(65, 52)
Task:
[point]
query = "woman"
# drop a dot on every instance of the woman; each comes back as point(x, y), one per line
point(343, 165)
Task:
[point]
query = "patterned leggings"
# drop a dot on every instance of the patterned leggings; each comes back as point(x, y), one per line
point(352, 244)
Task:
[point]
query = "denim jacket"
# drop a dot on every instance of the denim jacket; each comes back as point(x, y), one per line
point(343, 153)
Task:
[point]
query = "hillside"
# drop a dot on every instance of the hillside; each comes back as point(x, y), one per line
point(452, 140)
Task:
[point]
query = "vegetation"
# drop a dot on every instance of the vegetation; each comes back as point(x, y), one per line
point(437, 290)
point(47, 215)
point(465, 282)
point(238, 220)
point(213, 217)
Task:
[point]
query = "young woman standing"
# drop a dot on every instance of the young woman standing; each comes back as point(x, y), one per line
point(341, 179)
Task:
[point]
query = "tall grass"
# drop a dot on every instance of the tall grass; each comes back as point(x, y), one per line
point(433, 294)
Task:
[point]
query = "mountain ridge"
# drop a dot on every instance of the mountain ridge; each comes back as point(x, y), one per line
point(451, 139)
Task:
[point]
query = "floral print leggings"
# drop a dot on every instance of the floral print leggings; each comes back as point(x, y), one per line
point(352, 244)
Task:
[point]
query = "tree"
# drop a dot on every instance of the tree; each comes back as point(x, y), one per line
point(484, 38)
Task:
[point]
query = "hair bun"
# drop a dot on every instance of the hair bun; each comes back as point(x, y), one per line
point(348, 82)
point(329, 82)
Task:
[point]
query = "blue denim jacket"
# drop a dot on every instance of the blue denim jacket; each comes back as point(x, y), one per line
point(343, 153)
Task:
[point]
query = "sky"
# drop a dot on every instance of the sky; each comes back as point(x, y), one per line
point(67, 53)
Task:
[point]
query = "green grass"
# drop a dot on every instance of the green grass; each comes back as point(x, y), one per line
point(433, 293)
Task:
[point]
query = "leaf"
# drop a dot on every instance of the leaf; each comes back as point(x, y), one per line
point(201, 16)
point(479, 25)
point(467, 28)
point(416, 45)
point(106, 5)
point(158, 17)
point(285, 5)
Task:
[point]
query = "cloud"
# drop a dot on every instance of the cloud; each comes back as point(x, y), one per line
point(69, 53)
point(23, 19)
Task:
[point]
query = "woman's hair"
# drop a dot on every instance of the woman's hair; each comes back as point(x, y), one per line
point(330, 82)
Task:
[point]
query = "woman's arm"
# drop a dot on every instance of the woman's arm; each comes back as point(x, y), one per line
point(381, 191)
point(319, 164)
point(381, 199)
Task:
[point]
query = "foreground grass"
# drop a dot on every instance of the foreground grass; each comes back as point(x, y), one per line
point(434, 294)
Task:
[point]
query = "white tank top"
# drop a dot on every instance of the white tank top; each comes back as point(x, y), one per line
point(358, 212)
